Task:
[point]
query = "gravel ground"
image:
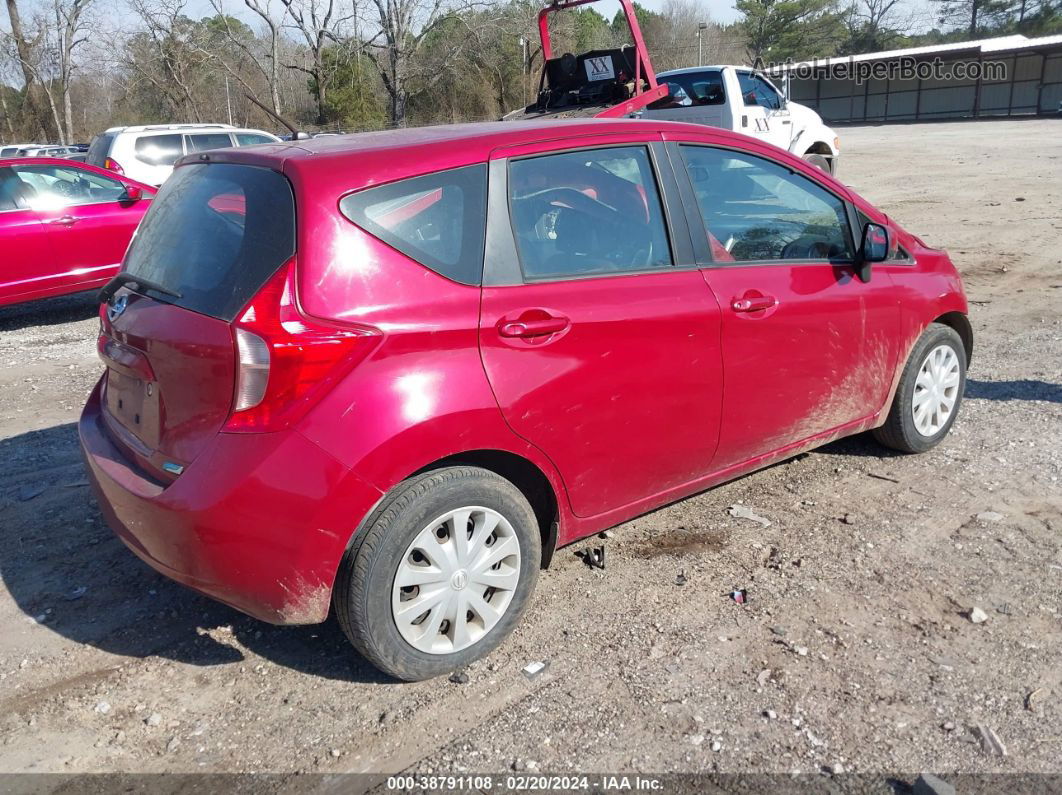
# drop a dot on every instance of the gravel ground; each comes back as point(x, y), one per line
point(854, 652)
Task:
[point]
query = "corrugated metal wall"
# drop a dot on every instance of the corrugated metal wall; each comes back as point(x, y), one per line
point(1033, 85)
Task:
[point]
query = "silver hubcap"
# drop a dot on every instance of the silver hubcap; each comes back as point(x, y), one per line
point(456, 580)
point(936, 390)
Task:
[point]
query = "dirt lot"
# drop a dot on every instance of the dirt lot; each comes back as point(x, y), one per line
point(854, 652)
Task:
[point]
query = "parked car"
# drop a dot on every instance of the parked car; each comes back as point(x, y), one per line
point(12, 150)
point(394, 371)
point(47, 151)
point(64, 226)
point(147, 152)
point(740, 99)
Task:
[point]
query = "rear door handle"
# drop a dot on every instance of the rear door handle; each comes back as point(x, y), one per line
point(66, 220)
point(533, 328)
point(753, 304)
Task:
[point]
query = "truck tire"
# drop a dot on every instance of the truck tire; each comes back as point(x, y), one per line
point(818, 161)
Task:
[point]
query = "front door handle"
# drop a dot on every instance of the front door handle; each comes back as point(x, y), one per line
point(533, 328)
point(66, 220)
point(753, 304)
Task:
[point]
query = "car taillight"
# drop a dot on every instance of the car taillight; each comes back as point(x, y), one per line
point(113, 165)
point(285, 361)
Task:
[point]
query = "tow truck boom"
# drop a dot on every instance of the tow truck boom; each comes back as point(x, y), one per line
point(600, 83)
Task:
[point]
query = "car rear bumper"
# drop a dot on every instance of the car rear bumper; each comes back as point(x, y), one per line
point(258, 521)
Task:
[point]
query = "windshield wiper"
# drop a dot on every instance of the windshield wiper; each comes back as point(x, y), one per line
point(138, 282)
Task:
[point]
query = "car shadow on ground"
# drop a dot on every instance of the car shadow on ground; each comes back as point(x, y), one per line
point(862, 445)
point(50, 311)
point(69, 574)
point(1022, 389)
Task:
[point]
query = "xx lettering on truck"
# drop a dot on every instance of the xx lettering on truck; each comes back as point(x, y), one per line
point(599, 68)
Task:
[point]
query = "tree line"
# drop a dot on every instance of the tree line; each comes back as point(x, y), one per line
point(69, 69)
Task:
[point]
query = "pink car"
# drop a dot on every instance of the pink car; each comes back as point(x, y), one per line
point(391, 373)
point(64, 226)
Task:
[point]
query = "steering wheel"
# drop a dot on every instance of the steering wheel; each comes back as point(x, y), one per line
point(806, 248)
point(63, 188)
point(620, 232)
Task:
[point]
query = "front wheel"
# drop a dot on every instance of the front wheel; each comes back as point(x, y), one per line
point(440, 574)
point(819, 162)
point(929, 393)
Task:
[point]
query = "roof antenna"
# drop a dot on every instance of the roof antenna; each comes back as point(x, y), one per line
point(295, 134)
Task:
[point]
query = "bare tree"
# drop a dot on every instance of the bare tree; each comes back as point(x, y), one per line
point(970, 14)
point(170, 58)
point(9, 121)
point(682, 40)
point(877, 24)
point(270, 70)
point(70, 24)
point(23, 53)
point(320, 23)
point(402, 26)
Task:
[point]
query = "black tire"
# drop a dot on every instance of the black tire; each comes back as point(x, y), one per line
point(362, 593)
point(899, 431)
point(819, 162)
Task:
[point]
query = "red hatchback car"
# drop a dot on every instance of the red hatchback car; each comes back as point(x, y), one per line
point(64, 226)
point(393, 372)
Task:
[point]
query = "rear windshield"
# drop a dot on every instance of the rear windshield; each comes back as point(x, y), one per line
point(158, 150)
point(99, 149)
point(215, 234)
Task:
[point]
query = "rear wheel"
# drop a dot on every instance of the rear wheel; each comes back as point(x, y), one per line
point(929, 393)
point(819, 162)
point(440, 573)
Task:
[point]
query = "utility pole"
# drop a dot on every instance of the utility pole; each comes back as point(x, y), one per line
point(701, 27)
point(228, 102)
point(524, 65)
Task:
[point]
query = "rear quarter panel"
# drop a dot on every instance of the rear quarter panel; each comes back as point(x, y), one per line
point(422, 394)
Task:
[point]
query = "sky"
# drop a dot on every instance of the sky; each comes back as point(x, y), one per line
point(721, 11)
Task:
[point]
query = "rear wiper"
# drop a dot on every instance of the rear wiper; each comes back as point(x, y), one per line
point(138, 282)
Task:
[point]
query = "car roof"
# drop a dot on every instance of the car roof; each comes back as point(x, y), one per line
point(691, 70)
point(162, 129)
point(133, 128)
point(78, 164)
point(386, 155)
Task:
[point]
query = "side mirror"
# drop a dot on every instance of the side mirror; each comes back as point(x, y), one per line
point(133, 193)
point(875, 248)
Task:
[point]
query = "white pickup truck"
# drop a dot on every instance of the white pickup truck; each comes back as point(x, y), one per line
point(736, 98)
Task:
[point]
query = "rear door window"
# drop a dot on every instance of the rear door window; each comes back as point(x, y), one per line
point(439, 219)
point(157, 150)
point(594, 211)
point(250, 139)
point(204, 141)
point(215, 234)
point(100, 148)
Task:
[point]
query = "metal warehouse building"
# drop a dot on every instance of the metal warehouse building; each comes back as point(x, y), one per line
point(1031, 82)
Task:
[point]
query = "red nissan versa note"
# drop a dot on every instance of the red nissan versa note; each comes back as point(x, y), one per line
point(393, 372)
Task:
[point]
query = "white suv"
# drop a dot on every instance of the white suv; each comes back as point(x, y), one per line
point(147, 152)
